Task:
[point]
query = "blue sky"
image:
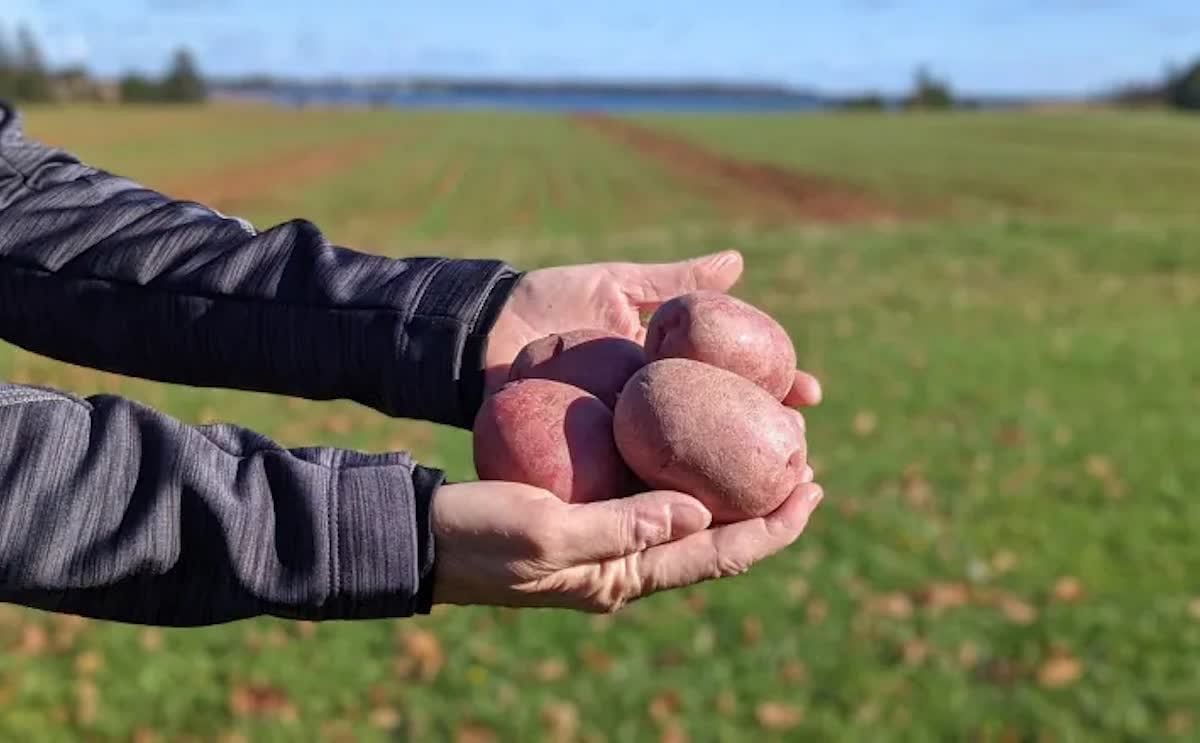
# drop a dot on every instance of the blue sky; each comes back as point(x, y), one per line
point(984, 46)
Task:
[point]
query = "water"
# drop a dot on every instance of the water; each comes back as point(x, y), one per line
point(556, 101)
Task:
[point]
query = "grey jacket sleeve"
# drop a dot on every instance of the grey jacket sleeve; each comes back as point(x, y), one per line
point(111, 510)
point(99, 271)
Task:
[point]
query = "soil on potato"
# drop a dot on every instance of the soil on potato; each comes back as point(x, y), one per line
point(745, 189)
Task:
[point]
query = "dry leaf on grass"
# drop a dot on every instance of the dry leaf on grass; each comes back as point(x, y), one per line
point(1059, 671)
point(1068, 589)
point(778, 715)
point(865, 423)
point(473, 733)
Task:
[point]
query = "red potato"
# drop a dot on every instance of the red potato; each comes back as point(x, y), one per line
point(593, 360)
point(553, 436)
point(725, 332)
point(687, 426)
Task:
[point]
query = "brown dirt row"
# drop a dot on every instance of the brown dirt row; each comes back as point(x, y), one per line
point(745, 189)
point(233, 186)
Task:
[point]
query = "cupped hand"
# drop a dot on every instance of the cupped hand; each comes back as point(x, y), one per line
point(612, 297)
point(506, 544)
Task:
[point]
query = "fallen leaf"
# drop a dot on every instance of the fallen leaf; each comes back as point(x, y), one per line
point(817, 611)
point(151, 639)
point(474, 733)
point(597, 661)
point(1179, 722)
point(1059, 671)
point(1004, 561)
point(1010, 435)
point(425, 649)
point(664, 706)
point(1068, 589)
point(918, 491)
point(865, 423)
point(896, 605)
point(778, 715)
point(34, 640)
point(306, 630)
point(793, 672)
point(551, 669)
point(1194, 608)
point(339, 424)
point(696, 601)
point(561, 720)
point(88, 663)
point(384, 718)
point(938, 597)
point(968, 655)
point(1099, 467)
point(145, 735)
point(1063, 435)
point(261, 700)
point(752, 630)
point(1017, 611)
point(915, 651)
point(87, 703)
point(674, 733)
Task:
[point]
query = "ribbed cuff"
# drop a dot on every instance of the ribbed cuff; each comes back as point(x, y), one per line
point(446, 336)
point(384, 539)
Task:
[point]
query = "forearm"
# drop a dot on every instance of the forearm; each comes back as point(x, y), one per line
point(99, 271)
point(111, 510)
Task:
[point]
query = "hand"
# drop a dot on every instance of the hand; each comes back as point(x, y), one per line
point(506, 544)
point(612, 297)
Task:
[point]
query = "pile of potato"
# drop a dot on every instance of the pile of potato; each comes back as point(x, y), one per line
point(589, 415)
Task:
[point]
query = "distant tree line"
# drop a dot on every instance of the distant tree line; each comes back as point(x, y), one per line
point(1180, 88)
point(25, 77)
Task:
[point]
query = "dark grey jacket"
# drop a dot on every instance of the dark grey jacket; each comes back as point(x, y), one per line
point(112, 510)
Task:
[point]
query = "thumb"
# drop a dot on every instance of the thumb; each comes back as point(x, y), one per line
point(605, 530)
point(650, 284)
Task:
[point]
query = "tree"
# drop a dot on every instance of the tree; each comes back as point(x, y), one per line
point(8, 67)
point(31, 81)
point(183, 83)
point(929, 92)
point(137, 88)
point(1183, 88)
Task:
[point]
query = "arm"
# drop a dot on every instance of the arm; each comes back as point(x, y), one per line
point(98, 271)
point(111, 510)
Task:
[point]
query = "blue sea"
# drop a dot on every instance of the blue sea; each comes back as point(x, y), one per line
point(598, 102)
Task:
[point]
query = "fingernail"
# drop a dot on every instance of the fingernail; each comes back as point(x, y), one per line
point(815, 494)
point(726, 259)
point(689, 518)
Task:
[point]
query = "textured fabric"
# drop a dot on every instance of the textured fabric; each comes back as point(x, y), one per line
point(113, 510)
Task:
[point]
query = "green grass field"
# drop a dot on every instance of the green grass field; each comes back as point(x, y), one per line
point(1009, 443)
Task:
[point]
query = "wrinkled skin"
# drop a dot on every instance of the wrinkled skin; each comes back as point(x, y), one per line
point(726, 332)
point(553, 436)
point(688, 426)
point(507, 544)
point(591, 359)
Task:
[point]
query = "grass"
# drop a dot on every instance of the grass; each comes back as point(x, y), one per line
point(1007, 549)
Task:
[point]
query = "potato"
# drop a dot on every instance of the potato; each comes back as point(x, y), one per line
point(687, 426)
point(593, 360)
point(553, 436)
point(726, 332)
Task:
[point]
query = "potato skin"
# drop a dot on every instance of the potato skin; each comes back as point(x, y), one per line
point(725, 332)
point(594, 360)
point(687, 426)
point(553, 436)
